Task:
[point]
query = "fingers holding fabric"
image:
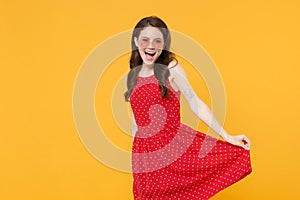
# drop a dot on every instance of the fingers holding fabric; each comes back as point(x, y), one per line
point(239, 140)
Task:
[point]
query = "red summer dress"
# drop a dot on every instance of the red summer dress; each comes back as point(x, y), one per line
point(170, 160)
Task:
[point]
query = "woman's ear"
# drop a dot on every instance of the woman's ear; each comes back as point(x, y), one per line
point(136, 42)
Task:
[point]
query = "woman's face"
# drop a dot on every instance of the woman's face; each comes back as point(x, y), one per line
point(150, 44)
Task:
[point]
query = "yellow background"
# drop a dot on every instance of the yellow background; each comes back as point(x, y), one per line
point(255, 45)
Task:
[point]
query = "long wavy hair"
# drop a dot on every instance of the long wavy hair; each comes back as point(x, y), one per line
point(161, 71)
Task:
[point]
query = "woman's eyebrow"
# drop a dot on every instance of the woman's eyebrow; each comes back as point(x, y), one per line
point(148, 37)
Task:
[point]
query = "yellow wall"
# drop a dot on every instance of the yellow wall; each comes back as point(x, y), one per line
point(255, 45)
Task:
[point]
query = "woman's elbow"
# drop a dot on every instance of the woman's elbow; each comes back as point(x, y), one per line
point(197, 106)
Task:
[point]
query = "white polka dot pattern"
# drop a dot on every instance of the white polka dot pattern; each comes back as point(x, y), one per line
point(169, 151)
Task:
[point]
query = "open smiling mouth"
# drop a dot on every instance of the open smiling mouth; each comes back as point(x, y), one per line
point(150, 55)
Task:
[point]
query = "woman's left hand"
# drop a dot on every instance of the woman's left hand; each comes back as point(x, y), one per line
point(239, 140)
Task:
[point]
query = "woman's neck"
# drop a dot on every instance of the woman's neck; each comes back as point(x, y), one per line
point(147, 68)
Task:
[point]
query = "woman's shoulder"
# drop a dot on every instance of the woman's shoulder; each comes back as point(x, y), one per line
point(176, 69)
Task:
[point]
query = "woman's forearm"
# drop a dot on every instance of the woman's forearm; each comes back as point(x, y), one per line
point(134, 126)
point(202, 111)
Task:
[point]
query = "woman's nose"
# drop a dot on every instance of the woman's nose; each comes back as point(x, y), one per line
point(150, 46)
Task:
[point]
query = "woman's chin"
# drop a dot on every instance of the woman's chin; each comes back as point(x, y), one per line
point(148, 62)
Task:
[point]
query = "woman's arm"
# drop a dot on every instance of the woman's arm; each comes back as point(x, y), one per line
point(134, 125)
point(201, 110)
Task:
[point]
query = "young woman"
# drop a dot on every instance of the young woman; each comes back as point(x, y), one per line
point(169, 159)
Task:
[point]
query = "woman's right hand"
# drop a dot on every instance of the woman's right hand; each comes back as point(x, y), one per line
point(239, 140)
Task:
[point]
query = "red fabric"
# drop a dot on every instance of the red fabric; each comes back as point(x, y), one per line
point(170, 160)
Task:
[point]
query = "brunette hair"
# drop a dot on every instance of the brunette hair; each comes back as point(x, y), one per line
point(161, 70)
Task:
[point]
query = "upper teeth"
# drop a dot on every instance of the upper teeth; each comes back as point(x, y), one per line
point(150, 52)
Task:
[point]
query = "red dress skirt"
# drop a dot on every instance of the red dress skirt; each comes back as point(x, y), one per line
point(170, 160)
